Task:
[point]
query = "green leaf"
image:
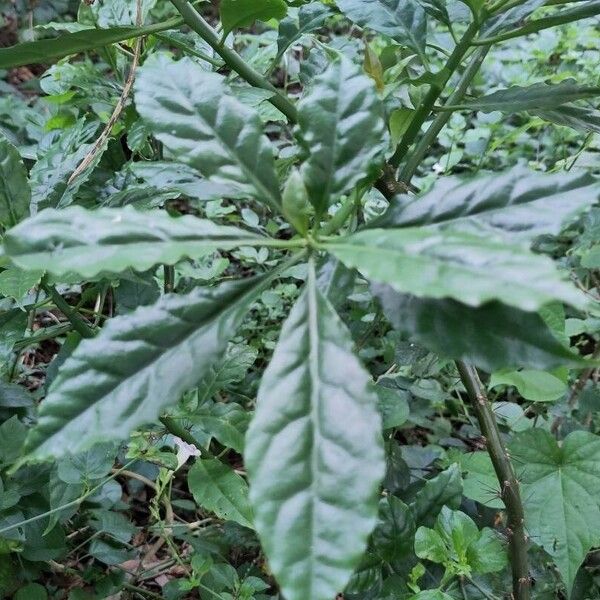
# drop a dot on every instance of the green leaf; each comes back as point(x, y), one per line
point(296, 206)
point(403, 20)
point(487, 554)
point(393, 407)
point(44, 51)
point(519, 202)
point(537, 386)
point(430, 545)
point(341, 124)
point(561, 494)
point(310, 17)
point(448, 263)
point(431, 595)
point(580, 118)
point(242, 13)
point(218, 488)
point(316, 431)
point(138, 364)
point(15, 283)
point(15, 194)
point(231, 369)
point(492, 336)
point(12, 436)
point(393, 537)
point(480, 482)
point(111, 13)
point(442, 490)
point(194, 114)
point(534, 97)
point(226, 422)
point(84, 242)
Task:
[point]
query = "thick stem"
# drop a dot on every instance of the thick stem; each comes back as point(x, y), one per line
point(79, 323)
point(414, 160)
point(434, 93)
point(505, 473)
point(232, 59)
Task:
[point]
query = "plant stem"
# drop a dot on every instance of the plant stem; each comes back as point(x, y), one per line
point(79, 324)
point(232, 59)
point(587, 9)
point(414, 160)
point(340, 217)
point(505, 473)
point(434, 93)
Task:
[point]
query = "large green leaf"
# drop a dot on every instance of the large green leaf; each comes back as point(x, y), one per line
point(85, 242)
point(15, 194)
point(519, 202)
point(561, 494)
point(314, 453)
point(492, 336)
point(533, 97)
point(44, 51)
point(241, 13)
point(341, 124)
point(195, 115)
point(461, 265)
point(403, 20)
point(218, 488)
point(137, 365)
point(533, 385)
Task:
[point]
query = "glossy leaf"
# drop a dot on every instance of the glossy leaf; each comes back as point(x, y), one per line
point(455, 264)
point(518, 202)
point(218, 488)
point(316, 431)
point(194, 114)
point(15, 194)
point(561, 494)
point(45, 51)
point(403, 20)
point(242, 13)
point(137, 365)
point(341, 124)
point(535, 97)
point(492, 336)
point(85, 242)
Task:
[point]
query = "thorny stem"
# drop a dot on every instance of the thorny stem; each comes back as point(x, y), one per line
point(505, 473)
point(233, 60)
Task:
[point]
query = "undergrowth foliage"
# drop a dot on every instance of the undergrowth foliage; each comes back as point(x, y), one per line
point(300, 299)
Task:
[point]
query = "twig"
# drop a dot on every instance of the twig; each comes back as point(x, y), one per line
point(79, 323)
point(103, 137)
point(509, 484)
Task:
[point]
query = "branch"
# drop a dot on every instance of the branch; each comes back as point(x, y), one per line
point(434, 93)
point(505, 473)
point(232, 59)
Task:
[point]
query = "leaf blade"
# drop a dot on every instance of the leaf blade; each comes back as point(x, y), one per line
point(295, 478)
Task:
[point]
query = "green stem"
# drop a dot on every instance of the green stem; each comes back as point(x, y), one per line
point(169, 279)
point(79, 323)
point(232, 59)
point(509, 485)
point(434, 93)
point(588, 9)
point(340, 217)
point(189, 50)
point(414, 160)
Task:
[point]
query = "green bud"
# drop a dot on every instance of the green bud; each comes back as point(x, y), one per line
point(296, 207)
